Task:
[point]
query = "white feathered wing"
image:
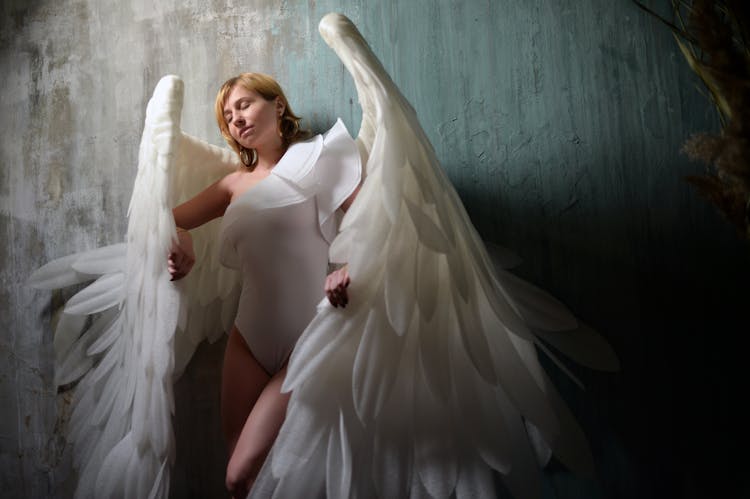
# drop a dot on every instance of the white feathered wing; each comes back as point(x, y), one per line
point(429, 378)
point(127, 336)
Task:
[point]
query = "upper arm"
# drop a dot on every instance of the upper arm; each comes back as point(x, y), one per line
point(210, 203)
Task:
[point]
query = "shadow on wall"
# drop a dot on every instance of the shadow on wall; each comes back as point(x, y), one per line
point(197, 427)
point(17, 12)
point(666, 284)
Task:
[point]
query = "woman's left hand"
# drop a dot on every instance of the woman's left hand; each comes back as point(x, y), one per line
point(181, 255)
point(335, 288)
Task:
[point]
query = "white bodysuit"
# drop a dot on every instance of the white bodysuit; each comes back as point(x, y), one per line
point(277, 235)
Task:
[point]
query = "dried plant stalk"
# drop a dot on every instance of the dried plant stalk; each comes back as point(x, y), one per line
point(713, 37)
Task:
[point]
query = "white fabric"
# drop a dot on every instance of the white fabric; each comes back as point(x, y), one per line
point(273, 233)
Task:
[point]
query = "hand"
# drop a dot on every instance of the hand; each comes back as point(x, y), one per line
point(335, 288)
point(181, 256)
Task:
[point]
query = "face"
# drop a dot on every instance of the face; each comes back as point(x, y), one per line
point(251, 119)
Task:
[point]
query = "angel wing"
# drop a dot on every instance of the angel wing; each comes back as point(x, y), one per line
point(127, 336)
point(429, 379)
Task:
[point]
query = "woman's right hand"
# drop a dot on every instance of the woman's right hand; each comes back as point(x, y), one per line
point(181, 256)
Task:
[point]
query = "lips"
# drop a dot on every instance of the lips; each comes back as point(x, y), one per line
point(244, 132)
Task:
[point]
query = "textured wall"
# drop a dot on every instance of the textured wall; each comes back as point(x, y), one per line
point(558, 121)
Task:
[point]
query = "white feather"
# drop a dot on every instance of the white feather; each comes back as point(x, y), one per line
point(435, 456)
point(375, 365)
point(106, 260)
point(58, 273)
point(305, 483)
point(109, 336)
point(312, 351)
point(105, 292)
point(75, 363)
point(339, 463)
point(401, 260)
point(429, 233)
point(426, 282)
point(392, 460)
point(585, 346)
point(69, 328)
point(478, 409)
point(538, 308)
point(474, 482)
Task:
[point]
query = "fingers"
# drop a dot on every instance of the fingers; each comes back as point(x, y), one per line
point(335, 288)
point(179, 264)
point(175, 272)
point(338, 297)
point(174, 265)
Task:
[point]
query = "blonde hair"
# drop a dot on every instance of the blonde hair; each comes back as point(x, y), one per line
point(269, 89)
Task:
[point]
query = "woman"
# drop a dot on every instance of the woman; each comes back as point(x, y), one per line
point(278, 225)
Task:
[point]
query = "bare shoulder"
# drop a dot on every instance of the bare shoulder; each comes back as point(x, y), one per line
point(232, 178)
point(231, 181)
point(237, 183)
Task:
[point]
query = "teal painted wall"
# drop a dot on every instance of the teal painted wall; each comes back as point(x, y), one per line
point(559, 122)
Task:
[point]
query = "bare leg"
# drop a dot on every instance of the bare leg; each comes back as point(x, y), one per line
point(242, 381)
point(253, 409)
point(258, 435)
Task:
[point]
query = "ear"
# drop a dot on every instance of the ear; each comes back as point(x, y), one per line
point(280, 108)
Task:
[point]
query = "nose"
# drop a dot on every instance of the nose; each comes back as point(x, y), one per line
point(238, 121)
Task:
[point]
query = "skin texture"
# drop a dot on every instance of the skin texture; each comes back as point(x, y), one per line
point(252, 405)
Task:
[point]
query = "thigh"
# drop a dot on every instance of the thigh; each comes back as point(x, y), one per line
point(243, 380)
point(261, 427)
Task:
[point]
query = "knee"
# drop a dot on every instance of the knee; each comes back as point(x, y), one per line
point(240, 477)
point(237, 485)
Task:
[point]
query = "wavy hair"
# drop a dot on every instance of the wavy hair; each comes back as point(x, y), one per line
point(269, 89)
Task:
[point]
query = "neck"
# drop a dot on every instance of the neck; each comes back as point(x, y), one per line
point(268, 157)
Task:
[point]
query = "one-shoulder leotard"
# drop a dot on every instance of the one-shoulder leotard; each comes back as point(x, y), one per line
point(277, 235)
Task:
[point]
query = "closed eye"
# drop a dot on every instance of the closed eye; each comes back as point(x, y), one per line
point(240, 105)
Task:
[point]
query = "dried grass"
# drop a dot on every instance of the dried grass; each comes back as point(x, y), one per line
point(713, 37)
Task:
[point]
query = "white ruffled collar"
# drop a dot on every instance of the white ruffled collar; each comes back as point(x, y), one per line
point(299, 159)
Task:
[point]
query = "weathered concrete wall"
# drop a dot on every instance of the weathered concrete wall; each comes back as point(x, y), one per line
point(558, 121)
